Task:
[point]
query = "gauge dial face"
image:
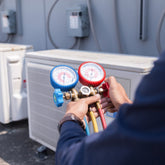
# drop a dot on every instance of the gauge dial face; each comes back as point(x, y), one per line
point(91, 73)
point(64, 76)
point(85, 90)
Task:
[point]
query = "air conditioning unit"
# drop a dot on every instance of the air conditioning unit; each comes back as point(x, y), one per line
point(43, 114)
point(13, 95)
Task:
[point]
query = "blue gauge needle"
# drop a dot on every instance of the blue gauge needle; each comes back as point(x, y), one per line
point(64, 78)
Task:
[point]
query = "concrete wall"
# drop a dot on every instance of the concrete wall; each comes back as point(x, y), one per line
point(34, 18)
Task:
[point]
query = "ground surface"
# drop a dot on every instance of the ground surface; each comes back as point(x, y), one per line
point(17, 149)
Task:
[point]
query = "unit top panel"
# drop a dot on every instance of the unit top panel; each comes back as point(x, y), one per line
point(13, 47)
point(131, 63)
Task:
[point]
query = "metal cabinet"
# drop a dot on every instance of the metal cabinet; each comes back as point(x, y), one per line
point(43, 114)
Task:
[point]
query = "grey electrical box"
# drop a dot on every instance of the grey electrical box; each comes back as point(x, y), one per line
point(78, 21)
point(8, 19)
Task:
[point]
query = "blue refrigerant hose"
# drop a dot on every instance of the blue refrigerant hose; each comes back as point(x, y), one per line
point(86, 128)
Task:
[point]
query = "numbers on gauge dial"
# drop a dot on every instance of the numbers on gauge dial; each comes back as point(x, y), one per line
point(92, 72)
point(64, 75)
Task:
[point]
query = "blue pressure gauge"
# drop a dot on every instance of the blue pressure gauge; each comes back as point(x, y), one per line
point(62, 78)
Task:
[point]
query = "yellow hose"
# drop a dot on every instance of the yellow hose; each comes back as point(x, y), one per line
point(95, 127)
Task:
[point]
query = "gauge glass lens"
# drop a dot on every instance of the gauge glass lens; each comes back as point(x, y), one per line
point(64, 75)
point(85, 90)
point(92, 72)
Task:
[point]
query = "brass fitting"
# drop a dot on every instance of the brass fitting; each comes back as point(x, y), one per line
point(67, 96)
point(74, 94)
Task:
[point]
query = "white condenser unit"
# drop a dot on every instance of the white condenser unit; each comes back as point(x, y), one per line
point(43, 114)
point(13, 95)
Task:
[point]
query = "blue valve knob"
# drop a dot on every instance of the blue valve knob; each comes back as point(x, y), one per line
point(58, 97)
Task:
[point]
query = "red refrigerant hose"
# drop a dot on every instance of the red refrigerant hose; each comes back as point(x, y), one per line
point(102, 118)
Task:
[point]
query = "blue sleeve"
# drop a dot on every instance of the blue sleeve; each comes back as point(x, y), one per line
point(137, 135)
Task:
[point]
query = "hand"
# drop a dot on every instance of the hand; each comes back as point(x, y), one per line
point(117, 93)
point(106, 105)
point(80, 107)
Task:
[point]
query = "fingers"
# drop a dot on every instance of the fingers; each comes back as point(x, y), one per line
point(111, 80)
point(104, 103)
point(112, 110)
point(109, 108)
point(92, 99)
point(104, 99)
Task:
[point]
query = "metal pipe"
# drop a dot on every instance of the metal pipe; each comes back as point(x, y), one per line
point(19, 16)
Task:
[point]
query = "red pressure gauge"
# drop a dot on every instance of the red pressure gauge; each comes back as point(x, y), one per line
point(91, 74)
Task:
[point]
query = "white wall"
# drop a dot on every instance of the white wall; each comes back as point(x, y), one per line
point(35, 12)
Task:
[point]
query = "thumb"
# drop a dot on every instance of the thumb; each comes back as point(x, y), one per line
point(111, 80)
point(92, 99)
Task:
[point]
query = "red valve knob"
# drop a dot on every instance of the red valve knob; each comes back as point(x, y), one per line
point(105, 86)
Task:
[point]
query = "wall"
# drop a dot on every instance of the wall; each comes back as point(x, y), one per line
point(34, 18)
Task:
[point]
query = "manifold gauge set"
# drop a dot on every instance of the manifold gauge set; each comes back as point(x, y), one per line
point(91, 75)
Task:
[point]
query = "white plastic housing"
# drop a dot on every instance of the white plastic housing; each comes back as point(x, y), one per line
point(13, 94)
point(43, 114)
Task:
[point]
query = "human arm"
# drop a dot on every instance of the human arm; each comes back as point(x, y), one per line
point(80, 109)
point(71, 132)
point(136, 136)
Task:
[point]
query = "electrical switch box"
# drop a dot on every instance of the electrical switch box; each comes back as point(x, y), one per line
point(78, 21)
point(8, 19)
